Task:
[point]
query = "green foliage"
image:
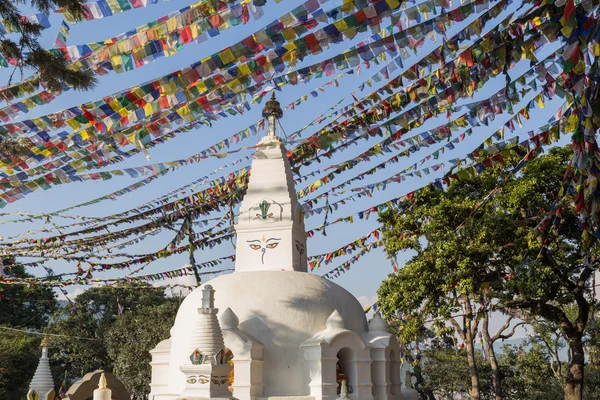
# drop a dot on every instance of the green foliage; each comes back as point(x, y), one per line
point(480, 241)
point(446, 373)
point(130, 339)
point(19, 354)
point(526, 370)
point(25, 52)
point(94, 314)
point(528, 374)
point(592, 383)
point(23, 306)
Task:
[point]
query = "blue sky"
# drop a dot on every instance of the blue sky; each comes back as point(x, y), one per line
point(365, 276)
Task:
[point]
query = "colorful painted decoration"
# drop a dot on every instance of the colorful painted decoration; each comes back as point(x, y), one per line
point(197, 357)
point(264, 210)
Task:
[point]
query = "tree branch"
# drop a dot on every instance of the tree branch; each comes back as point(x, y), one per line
point(549, 312)
point(512, 332)
point(556, 268)
point(457, 327)
point(503, 328)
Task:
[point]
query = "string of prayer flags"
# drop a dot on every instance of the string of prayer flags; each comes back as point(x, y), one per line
point(345, 266)
point(63, 34)
point(491, 107)
point(190, 75)
point(317, 260)
point(40, 19)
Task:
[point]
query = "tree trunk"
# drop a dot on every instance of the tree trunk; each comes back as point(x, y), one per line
point(470, 346)
point(496, 374)
point(489, 347)
point(574, 379)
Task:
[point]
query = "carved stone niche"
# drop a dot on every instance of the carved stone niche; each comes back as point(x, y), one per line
point(266, 210)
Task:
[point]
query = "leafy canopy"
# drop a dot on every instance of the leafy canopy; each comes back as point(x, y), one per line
point(480, 239)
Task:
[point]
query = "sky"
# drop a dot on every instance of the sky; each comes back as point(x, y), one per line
point(365, 276)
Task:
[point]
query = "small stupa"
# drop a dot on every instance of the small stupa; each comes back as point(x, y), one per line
point(207, 372)
point(289, 334)
point(41, 386)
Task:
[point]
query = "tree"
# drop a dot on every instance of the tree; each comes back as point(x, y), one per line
point(448, 278)
point(447, 375)
point(21, 307)
point(528, 373)
point(91, 315)
point(19, 355)
point(485, 238)
point(130, 339)
point(25, 306)
point(526, 370)
point(26, 52)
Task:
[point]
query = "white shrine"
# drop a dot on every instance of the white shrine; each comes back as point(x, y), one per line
point(271, 330)
point(41, 386)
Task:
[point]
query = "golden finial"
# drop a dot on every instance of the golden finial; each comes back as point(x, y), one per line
point(45, 342)
point(272, 108)
point(102, 382)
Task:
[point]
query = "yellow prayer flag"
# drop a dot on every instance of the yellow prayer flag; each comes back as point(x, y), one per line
point(244, 69)
point(201, 86)
point(195, 28)
point(394, 4)
point(73, 123)
point(117, 63)
point(540, 101)
point(566, 31)
point(147, 109)
point(172, 24)
point(226, 56)
point(341, 25)
point(185, 114)
point(572, 122)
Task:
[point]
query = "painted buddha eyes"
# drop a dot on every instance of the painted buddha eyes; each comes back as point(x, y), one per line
point(202, 379)
point(263, 244)
point(268, 246)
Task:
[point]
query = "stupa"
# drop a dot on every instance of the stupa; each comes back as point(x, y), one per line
point(41, 386)
point(289, 334)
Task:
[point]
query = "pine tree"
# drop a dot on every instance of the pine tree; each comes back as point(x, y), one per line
point(25, 52)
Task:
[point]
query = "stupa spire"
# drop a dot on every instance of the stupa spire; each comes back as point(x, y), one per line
point(270, 230)
point(42, 384)
point(272, 113)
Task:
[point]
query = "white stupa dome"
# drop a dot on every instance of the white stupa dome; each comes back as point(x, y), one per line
point(290, 334)
point(281, 309)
